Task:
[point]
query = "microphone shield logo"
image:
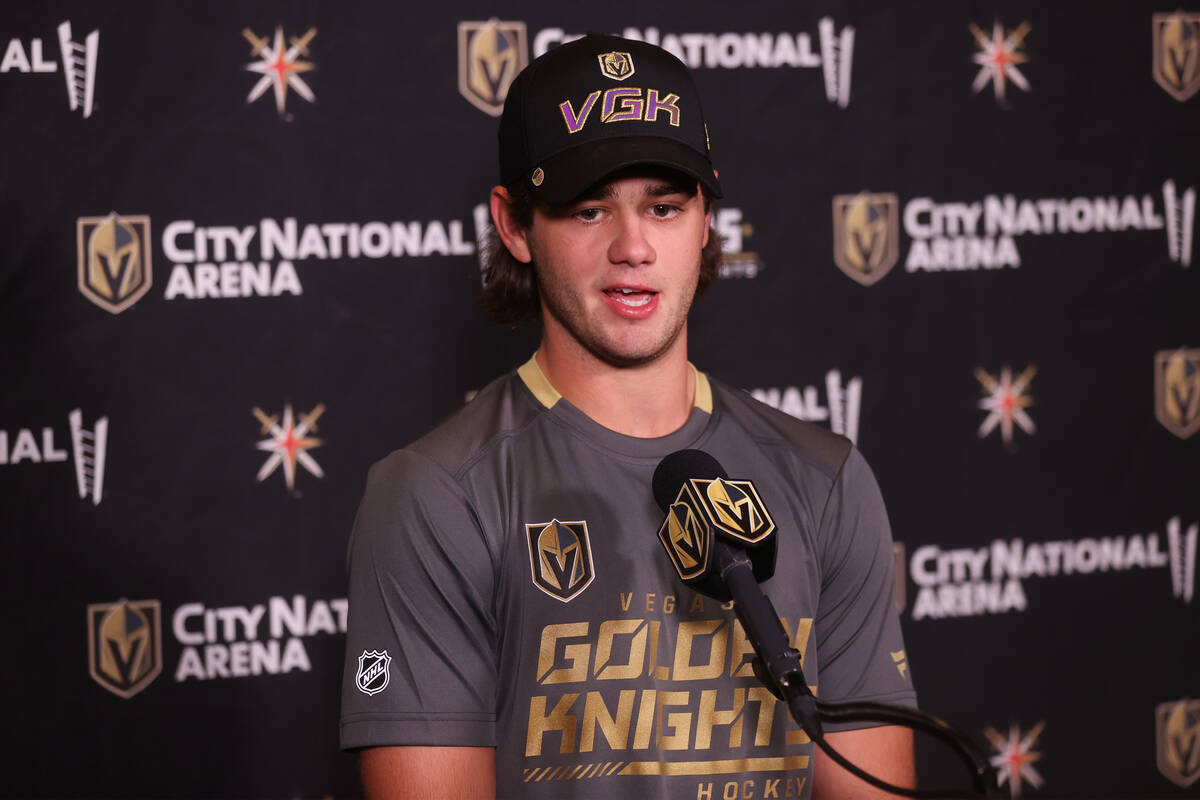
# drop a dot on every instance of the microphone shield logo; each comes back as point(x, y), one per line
point(686, 536)
point(560, 557)
point(735, 508)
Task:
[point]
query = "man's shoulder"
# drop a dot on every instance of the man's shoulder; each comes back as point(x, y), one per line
point(501, 409)
point(769, 427)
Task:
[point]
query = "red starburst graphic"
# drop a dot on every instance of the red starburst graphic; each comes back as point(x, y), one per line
point(280, 67)
point(288, 443)
point(1015, 756)
point(1006, 402)
point(998, 58)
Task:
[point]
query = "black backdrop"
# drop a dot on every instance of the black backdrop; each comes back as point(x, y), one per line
point(844, 133)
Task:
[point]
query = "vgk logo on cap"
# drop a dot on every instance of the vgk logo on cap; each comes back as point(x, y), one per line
point(560, 556)
point(124, 645)
point(1177, 53)
point(490, 54)
point(617, 66)
point(1177, 390)
point(866, 235)
point(114, 259)
point(685, 535)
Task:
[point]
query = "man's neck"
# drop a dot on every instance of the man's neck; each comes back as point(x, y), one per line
point(645, 401)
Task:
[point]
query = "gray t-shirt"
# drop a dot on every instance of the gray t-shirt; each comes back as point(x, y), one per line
point(508, 589)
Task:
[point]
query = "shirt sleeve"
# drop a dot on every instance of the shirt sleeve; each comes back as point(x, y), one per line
point(860, 648)
point(420, 664)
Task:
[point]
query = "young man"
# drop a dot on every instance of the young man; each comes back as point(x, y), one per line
point(515, 627)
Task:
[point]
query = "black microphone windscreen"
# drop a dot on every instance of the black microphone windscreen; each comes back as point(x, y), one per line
point(680, 466)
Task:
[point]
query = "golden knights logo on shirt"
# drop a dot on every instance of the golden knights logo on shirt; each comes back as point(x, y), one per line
point(114, 260)
point(125, 645)
point(1177, 53)
point(866, 235)
point(1177, 735)
point(560, 557)
point(490, 54)
point(1177, 390)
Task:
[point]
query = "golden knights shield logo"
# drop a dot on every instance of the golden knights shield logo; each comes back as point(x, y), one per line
point(560, 555)
point(490, 54)
point(1177, 390)
point(1177, 737)
point(617, 66)
point(1177, 53)
point(125, 645)
point(866, 235)
point(686, 536)
point(734, 507)
point(114, 260)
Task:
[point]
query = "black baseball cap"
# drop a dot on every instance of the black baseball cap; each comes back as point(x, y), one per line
point(596, 105)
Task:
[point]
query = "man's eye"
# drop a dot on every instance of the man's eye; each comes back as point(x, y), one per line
point(588, 214)
point(663, 210)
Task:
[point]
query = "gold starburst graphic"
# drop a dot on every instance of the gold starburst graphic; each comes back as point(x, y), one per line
point(999, 58)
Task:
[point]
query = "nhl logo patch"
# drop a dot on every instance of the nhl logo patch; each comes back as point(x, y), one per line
point(373, 674)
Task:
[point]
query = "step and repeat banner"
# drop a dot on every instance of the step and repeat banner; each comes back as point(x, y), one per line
point(239, 262)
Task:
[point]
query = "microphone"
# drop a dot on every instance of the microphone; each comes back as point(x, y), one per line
point(721, 540)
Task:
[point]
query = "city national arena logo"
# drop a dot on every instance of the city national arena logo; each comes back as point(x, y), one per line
point(1176, 65)
point(866, 235)
point(490, 54)
point(114, 263)
point(1177, 741)
point(280, 66)
point(89, 447)
point(1014, 756)
point(288, 442)
point(560, 557)
point(999, 59)
point(972, 581)
point(1177, 390)
point(124, 645)
point(984, 234)
point(842, 409)
point(373, 674)
point(78, 62)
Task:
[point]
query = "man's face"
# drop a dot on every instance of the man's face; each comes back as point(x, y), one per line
point(617, 269)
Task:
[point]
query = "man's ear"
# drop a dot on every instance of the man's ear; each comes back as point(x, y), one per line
point(512, 233)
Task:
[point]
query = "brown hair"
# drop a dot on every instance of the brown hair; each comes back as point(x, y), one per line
point(510, 292)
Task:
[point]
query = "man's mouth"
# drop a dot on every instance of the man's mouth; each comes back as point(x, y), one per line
point(633, 298)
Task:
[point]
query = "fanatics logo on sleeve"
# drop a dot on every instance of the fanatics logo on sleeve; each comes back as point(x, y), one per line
point(373, 675)
point(490, 54)
point(114, 260)
point(1177, 739)
point(124, 645)
point(866, 235)
point(560, 556)
point(1177, 53)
